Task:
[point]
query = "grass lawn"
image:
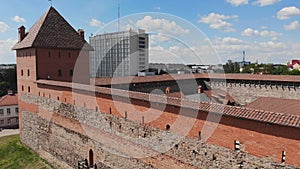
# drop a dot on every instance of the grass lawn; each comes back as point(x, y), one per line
point(14, 155)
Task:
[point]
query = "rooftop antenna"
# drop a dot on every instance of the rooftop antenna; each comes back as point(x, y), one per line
point(244, 53)
point(118, 17)
point(50, 2)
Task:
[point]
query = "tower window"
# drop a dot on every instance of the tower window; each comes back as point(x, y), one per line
point(22, 88)
point(22, 72)
point(28, 89)
point(59, 73)
point(28, 72)
point(71, 72)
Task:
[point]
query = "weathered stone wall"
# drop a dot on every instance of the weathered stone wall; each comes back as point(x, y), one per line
point(245, 93)
point(64, 134)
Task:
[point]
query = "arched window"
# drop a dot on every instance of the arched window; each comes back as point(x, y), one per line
point(28, 72)
point(28, 89)
point(91, 158)
point(168, 127)
point(22, 73)
point(22, 88)
point(200, 135)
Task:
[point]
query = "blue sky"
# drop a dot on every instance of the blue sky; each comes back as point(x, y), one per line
point(268, 30)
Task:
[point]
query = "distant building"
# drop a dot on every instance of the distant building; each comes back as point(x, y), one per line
point(9, 111)
point(295, 65)
point(119, 53)
point(172, 68)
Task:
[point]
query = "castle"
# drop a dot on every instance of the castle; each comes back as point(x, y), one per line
point(70, 119)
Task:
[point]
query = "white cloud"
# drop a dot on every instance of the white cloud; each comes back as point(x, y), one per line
point(157, 8)
point(217, 21)
point(18, 19)
point(264, 27)
point(228, 41)
point(292, 26)
point(237, 2)
point(264, 33)
point(3, 27)
point(272, 45)
point(6, 54)
point(266, 2)
point(158, 38)
point(266, 52)
point(95, 22)
point(288, 12)
point(160, 25)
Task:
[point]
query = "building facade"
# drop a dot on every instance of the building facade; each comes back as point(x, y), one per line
point(9, 111)
point(119, 54)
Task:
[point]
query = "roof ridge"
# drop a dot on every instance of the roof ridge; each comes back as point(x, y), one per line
point(44, 16)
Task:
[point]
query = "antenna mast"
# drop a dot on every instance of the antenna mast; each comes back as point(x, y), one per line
point(118, 17)
point(51, 2)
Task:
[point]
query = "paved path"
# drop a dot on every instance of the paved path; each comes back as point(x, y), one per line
point(7, 132)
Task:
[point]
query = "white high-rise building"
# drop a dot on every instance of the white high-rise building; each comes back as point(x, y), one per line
point(119, 53)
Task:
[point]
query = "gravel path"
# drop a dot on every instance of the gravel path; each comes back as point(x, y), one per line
point(7, 132)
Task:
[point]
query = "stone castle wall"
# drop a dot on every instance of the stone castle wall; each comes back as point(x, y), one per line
point(245, 93)
point(64, 134)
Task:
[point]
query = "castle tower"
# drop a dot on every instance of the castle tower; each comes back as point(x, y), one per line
point(51, 50)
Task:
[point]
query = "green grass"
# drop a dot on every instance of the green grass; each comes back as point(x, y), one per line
point(14, 155)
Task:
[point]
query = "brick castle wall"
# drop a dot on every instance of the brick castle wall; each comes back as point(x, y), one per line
point(259, 139)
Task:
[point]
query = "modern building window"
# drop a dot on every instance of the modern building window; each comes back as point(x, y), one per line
point(28, 72)
point(2, 122)
point(8, 121)
point(8, 111)
point(59, 73)
point(17, 110)
point(1, 112)
point(28, 89)
point(71, 72)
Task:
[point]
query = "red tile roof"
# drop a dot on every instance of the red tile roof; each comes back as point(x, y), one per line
point(52, 31)
point(9, 100)
point(161, 78)
point(286, 106)
point(244, 113)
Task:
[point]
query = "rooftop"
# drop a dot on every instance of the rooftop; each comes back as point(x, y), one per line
point(52, 31)
point(9, 100)
point(172, 77)
point(286, 106)
point(232, 111)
